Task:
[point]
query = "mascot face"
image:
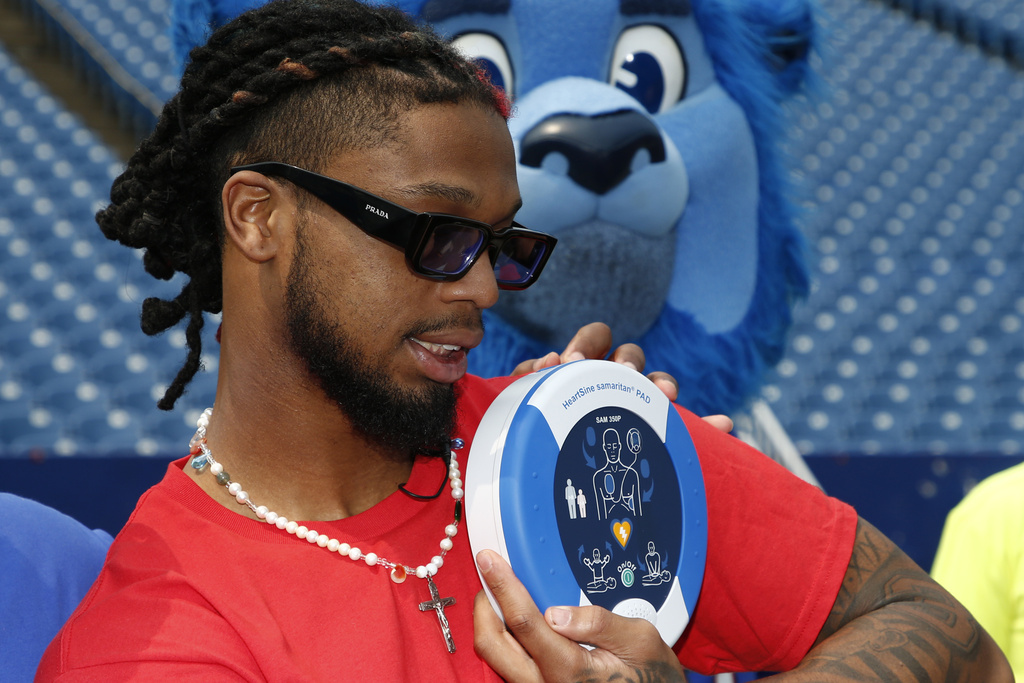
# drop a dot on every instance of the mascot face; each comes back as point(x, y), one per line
point(630, 151)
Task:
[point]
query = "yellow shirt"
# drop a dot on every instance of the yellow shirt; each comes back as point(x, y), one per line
point(981, 559)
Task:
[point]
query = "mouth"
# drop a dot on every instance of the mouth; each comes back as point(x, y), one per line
point(441, 361)
point(439, 350)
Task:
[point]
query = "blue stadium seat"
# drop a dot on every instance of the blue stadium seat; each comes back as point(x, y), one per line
point(23, 434)
point(97, 428)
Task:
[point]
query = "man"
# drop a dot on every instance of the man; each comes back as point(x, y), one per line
point(280, 180)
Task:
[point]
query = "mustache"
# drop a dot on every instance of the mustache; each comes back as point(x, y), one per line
point(465, 321)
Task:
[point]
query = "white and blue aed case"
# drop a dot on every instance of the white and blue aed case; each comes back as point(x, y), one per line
point(585, 479)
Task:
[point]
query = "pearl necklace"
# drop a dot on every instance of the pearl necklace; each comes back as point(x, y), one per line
point(201, 458)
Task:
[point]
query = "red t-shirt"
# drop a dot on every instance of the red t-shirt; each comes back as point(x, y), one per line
point(193, 591)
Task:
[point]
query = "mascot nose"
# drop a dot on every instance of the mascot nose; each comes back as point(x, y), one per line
point(600, 149)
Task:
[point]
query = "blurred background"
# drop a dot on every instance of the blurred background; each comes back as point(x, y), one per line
point(903, 383)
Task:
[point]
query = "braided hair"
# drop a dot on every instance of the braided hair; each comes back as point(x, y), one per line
point(296, 81)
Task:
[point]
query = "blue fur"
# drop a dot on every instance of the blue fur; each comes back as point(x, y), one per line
point(739, 56)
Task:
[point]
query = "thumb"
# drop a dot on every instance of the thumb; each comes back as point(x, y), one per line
point(619, 641)
point(623, 636)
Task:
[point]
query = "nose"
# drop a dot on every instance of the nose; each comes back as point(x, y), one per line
point(600, 149)
point(478, 285)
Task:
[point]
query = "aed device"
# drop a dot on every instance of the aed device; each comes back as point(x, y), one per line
point(585, 479)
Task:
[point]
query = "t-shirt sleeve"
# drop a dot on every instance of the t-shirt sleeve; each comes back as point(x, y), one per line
point(778, 549)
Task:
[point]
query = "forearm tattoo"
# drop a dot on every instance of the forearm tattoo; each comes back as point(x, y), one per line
point(891, 622)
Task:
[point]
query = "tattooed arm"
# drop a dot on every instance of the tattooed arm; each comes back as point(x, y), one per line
point(892, 622)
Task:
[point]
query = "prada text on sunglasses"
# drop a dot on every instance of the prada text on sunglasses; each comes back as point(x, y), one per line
point(437, 246)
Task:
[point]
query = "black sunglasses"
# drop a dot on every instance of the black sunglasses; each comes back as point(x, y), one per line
point(437, 246)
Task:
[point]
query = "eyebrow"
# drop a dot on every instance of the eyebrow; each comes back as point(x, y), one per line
point(680, 8)
point(439, 10)
point(451, 193)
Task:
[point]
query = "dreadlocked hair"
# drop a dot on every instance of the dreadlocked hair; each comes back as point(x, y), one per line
point(296, 81)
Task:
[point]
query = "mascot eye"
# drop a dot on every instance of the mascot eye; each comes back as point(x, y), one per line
point(649, 65)
point(490, 54)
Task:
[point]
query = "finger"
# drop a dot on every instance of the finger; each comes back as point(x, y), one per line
point(591, 341)
point(534, 364)
point(497, 647)
point(634, 642)
point(722, 423)
point(601, 628)
point(667, 383)
point(631, 356)
point(554, 655)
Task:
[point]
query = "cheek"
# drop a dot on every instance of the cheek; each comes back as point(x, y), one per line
point(375, 292)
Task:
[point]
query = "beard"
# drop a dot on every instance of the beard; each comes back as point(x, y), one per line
point(402, 421)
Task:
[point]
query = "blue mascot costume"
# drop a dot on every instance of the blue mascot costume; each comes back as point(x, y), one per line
point(647, 134)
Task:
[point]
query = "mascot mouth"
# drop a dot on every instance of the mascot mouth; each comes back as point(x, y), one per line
point(607, 267)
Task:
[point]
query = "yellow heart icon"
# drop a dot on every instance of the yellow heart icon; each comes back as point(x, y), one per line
point(621, 531)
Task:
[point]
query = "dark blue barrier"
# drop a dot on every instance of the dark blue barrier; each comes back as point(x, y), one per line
point(99, 492)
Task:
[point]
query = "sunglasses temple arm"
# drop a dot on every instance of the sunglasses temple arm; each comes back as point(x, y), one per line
point(373, 215)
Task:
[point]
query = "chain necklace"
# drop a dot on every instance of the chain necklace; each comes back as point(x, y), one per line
point(202, 459)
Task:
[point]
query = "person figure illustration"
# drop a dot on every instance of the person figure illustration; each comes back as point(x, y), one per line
point(600, 584)
point(635, 493)
point(655, 574)
point(616, 484)
point(653, 559)
point(570, 498)
point(581, 500)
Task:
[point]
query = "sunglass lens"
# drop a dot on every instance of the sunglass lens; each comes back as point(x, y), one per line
point(517, 261)
point(451, 249)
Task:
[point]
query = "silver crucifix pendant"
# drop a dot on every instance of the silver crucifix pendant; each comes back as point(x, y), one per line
point(437, 603)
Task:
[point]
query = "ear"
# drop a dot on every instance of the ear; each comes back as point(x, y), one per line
point(257, 212)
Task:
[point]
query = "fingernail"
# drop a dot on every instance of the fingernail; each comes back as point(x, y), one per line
point(483, 560)
point(559, 616)
point(629, 364)
point(576, 355)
